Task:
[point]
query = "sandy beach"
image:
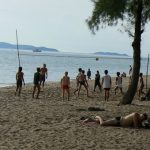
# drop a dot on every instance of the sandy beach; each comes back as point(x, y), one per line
point(49, 123)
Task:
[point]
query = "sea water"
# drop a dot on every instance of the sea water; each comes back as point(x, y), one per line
point(57, 63)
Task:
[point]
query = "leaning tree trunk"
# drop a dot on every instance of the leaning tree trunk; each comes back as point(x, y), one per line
point(129, 95)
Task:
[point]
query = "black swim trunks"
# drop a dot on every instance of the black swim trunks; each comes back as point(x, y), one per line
point(118, 120)
point(82, 82)
point(19, 83)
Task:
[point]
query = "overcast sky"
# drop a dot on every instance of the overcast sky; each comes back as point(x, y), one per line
point(61, 24)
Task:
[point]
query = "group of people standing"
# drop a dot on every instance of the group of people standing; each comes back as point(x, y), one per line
point(81, 81)
point(39, 79)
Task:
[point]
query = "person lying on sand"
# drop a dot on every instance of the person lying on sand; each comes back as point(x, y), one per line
point(131, 120)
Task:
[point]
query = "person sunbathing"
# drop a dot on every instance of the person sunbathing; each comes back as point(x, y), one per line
point(131, 120)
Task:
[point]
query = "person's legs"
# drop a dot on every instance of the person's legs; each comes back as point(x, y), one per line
point(95, 85)
point(140, 92)
point(79, 89)
point(116, 88)
point(16, 90)
point(110, 122)
point(38, 92)
point(34, 88)
point(99, 86)
point(20, 88)
point(43, 84)
point(105, 94)
point(121, 90)
point(68, 92)
point(86, 90)
point(63, 93)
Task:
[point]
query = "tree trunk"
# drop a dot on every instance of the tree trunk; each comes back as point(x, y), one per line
point(129, 95)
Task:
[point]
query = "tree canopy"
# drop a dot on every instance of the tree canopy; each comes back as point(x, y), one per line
point(109, 12)
point(135, 14)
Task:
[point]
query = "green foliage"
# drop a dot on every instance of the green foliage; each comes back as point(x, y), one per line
point(109, 12)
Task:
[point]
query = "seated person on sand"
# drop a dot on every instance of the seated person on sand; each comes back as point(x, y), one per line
point(131, 120)
point(83, 81)
point(65, 83)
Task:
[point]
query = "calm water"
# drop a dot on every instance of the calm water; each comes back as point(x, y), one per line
point(57, 64)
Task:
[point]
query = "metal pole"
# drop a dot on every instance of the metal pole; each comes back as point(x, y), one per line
point(18, 48)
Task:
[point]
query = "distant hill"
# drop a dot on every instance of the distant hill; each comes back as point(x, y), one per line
point(110, 53)
point(25, 47)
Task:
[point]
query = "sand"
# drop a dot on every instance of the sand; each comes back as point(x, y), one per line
point(49, 123)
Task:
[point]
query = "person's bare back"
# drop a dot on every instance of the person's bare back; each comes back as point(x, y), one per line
point(65, 80)
point(131, 120)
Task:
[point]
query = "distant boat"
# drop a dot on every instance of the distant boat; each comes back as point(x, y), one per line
point(37, 50)
point(97, 58)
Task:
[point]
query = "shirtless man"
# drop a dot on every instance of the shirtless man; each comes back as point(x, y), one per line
point(19, 80)
point(65, 83)
point(131, 120)
point(83, 81)
point(36, 83)
point(141, 84)
point(77, 80)
point(44, 75)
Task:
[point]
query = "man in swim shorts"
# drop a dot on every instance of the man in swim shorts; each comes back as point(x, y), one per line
point(19, 80)
point(106, 82)
point(83, 82)
point(36, 83)
point(43, 75)
point(65, 84)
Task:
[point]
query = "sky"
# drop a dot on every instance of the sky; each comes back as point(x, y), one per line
point(61, 24)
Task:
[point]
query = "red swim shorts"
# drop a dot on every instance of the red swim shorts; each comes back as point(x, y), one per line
point(65, 87)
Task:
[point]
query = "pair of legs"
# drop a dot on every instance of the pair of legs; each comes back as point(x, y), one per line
point(42, 81)
point(99, 120)
point(85, 86)
point(19, 87)
point(77, 88)
point(141, 91)
point(36, 86)
point(97, 84)
point(106, 93)
point(68, 92)
point(116, 88)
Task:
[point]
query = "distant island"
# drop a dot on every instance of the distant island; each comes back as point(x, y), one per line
point(110, 53)
point(4, 45)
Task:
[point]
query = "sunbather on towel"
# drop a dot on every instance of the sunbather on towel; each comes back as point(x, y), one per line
point(131, 120)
